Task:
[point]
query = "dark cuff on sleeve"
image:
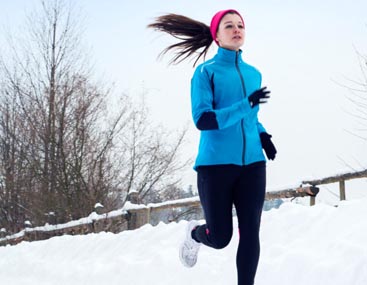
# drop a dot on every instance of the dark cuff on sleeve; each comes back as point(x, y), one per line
point(207, 121)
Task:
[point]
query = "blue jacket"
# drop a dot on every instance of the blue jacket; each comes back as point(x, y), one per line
point(220, 108)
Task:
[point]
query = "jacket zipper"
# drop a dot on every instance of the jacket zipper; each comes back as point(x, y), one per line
point(242, 121)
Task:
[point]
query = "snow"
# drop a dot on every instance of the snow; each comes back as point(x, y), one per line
point(98, 205)
point(319, 245)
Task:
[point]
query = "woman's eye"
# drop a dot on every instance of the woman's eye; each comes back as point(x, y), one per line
point(232, 26)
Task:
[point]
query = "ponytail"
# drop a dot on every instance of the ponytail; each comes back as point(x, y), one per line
point(194, 36)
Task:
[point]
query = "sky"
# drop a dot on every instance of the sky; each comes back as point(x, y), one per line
point(305, 50)
point(330, 251)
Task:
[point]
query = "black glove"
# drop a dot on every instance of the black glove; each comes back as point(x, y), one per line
point(268, 145)
point(259, 96)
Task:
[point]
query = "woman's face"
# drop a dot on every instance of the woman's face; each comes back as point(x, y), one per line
point(231, 32)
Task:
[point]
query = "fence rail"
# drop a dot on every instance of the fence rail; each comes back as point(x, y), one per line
point(133, 216)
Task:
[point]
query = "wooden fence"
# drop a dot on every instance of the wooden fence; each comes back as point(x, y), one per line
point(133, 216)
point(312, 190)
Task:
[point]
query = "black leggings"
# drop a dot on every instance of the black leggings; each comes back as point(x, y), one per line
point(221, 186)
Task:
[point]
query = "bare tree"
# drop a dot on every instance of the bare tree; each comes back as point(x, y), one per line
point(358, 97)
point(151, 155)
point(63, 149)
point(54, 110)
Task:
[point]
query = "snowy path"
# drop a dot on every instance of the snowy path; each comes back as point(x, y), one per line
point(320, 245)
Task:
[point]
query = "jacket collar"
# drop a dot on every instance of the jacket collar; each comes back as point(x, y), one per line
point(229, 56)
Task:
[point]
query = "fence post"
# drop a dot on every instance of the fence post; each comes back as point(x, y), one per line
point(3, 233)
point(138, 218)
point(312, 200)
point(342, 189)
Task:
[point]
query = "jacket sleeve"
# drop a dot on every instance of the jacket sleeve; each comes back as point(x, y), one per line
point(260, 128)
point(205, 116)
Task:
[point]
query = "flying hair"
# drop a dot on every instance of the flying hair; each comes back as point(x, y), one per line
point(194, 36)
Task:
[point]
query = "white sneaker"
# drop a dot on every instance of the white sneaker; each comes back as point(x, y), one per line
point(189, 248)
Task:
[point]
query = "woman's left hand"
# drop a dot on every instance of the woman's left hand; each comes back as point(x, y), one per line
point(268, 145)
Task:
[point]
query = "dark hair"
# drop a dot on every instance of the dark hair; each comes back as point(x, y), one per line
point(194, 36)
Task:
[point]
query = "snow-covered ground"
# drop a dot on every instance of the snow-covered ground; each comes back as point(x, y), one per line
point(320, 245)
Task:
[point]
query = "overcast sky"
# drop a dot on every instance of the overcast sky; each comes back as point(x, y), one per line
point(304, 49)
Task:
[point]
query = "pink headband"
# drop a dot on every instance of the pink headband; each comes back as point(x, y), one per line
point(216, 20)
